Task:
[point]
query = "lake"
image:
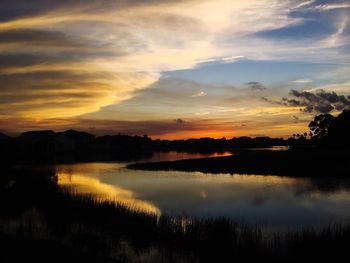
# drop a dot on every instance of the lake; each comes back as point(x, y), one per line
point(272, 201)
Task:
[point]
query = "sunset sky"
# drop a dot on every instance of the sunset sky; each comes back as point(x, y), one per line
point(173, 68)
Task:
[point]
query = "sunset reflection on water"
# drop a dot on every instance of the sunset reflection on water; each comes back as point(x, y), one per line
point(271, 200)
point(82, 181)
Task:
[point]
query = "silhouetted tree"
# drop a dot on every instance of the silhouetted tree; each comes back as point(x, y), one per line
point(332, 130)
point(320, 125)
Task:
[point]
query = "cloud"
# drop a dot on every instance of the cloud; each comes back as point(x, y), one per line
point(232, 59)
point(321, 7)
point(326, 7)
point(256, 86)
point(39, 37)
point(131, 42)
point(303, 4)
point(295, 118)
point(172, 97)
point(271, 101)
point(319, 102)
point(199, 94)
point(68, 58)
point(62, 92)
point(179, 121)
point(302, 81)
point(343, 88)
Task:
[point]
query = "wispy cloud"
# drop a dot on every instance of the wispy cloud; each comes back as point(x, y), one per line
point(302, 81)
point(257, 86)
point(303, 4)
point(326, 7)
point(338, 38)
point(199, 94)
point(232, 59)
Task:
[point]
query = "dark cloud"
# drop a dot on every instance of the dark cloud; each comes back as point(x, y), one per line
point(47, 80)
point(179, 121)
point(8, 61)
point(10, 9)
point(38, 37)
point(320, 101)
point(271, 101)
point(256, 86)
point(295, 119)
point(41, 92)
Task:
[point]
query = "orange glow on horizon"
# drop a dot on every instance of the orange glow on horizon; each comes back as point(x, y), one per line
point(98, 128)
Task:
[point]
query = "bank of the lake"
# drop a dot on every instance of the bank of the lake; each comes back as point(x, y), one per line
point(303, 162)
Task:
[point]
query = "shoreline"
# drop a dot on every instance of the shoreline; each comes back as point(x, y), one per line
point(295, 163)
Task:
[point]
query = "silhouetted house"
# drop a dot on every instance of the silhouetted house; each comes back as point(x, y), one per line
point(38, 141)
point(63, 143)
point(78, 136)
point(73, 140)
point(37, 135)
point(123, 143)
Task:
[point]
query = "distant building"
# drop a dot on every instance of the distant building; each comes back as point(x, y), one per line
point(77, 136)
point(37, 135)
point(71, 140)
point(39, 141)
point(63, 143)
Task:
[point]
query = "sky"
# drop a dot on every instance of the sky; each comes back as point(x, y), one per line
point(173, 68)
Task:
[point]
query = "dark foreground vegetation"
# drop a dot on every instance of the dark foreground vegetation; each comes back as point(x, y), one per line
point(40, 221)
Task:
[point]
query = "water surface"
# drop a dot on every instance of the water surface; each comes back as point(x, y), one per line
point(269, 200)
